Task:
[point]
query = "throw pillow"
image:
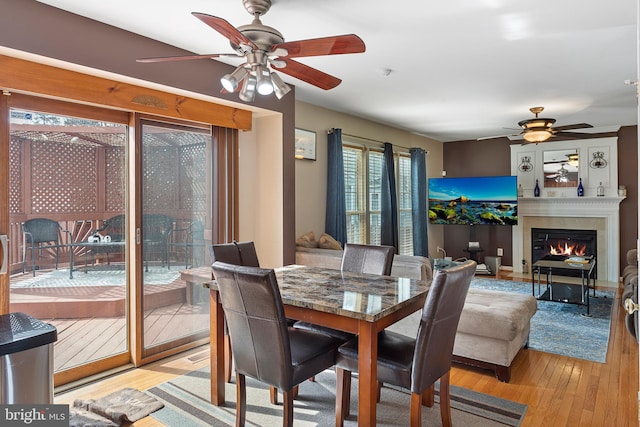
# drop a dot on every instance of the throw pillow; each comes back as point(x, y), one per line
point(307, 240)
point(327, 242)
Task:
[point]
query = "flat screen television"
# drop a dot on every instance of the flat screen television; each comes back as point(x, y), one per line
point(474, 200)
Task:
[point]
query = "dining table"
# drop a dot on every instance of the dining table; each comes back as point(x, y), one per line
point(362, 304)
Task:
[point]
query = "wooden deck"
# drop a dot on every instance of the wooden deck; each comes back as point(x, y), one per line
point(91, 321)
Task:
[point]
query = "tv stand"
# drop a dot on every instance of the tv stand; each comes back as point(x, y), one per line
point(473, 253)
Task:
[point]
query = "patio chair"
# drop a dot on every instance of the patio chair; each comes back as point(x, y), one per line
point(113, 227)
point(156, 229)
point(191, 238)
point(41, 234)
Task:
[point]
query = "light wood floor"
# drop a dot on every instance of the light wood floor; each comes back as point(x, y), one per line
point(559, 391)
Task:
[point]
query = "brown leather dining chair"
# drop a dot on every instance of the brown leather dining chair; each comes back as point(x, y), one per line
point(236, 253)
point(416, 364)
point(264, 347)
point(370, 259)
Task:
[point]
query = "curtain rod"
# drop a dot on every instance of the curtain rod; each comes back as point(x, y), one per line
point(374, 140)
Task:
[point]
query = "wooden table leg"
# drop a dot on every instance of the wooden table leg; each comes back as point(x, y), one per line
point(367, 374)
point(216, 344)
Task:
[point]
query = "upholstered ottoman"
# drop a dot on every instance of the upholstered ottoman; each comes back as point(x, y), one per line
point(494, 326)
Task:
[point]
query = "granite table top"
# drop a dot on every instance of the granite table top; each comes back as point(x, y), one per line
point(362, 296)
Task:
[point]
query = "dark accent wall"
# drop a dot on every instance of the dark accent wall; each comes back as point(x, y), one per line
point(33, 27)
point(628, 176)
point(477, 158)
point(493, 157)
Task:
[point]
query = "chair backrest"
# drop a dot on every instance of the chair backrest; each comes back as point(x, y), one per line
point(197, 230)
point(156, 227)
point(41, 230)
point(367, 259)
point(439, 323)
point(236, 253)
point(248, 253)
point(114, 227)
point(257, 325)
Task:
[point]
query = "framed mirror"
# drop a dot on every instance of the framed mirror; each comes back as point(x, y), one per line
point(561, 168)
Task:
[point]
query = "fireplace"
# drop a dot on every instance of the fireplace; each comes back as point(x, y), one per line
point(558, 244)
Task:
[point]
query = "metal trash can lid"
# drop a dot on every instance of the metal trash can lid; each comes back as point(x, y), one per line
point(19, 332)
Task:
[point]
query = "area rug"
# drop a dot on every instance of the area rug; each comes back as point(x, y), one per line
point(125, 405)
point(562, 328)
point(187, 403)
point(93, 277)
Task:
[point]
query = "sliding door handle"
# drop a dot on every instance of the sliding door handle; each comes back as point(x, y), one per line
point(4, 253)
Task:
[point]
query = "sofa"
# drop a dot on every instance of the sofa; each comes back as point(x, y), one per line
point(630, 290)
point(414, 267)
point(493, 327)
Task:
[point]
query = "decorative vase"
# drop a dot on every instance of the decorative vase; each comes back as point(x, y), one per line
point(536, 190)
point(580, 188)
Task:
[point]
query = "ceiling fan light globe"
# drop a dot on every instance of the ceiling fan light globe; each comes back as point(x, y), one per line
point(265, 87)
point(537, 135)
point(248, 91)
point(228, 84)
point(231, 81)
point(279, 86)
point(263, 78)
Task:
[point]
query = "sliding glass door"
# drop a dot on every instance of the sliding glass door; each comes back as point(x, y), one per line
point(68, 176)
point(176, 208)
point(108, 216)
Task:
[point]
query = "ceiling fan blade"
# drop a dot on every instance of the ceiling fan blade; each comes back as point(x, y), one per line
point(577, 135)
point(225, 28)
point(574, 126)
point(483, 138)
point(336, 45)
point(308, 74)
point(186, 57)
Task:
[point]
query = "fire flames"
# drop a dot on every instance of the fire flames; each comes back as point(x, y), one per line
point(564, 248)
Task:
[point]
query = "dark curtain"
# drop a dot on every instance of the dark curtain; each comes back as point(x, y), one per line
point(389, 201)
point(336, 213)
point(419, 214)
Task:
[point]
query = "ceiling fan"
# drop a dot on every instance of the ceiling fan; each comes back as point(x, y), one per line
point(541, 129)
point(262, 47)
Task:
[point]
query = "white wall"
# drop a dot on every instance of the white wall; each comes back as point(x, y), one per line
point(311, 176)
point(261, 189)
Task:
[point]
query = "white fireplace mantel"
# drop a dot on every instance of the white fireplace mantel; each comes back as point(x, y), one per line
point(582, 206)
point(605, 208)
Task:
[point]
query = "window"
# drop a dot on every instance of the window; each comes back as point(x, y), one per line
point(363, 165)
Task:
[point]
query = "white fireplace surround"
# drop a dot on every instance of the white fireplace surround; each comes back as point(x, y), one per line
point(589, 213)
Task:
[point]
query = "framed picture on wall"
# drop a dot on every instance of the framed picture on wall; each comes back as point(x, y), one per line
point(305, 144)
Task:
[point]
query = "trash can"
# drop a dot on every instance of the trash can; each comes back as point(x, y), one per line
point(26, 359)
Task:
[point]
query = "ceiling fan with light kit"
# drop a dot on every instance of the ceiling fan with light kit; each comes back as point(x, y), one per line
point(263, 47)
point(541, 129)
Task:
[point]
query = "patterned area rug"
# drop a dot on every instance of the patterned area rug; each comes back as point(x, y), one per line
point(562, 328)
point(94, 277)
point(187, 403)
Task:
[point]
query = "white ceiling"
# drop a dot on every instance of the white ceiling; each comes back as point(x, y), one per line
point(459, 69)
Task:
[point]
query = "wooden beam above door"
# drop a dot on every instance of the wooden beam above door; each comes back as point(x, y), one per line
point(35, 78)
